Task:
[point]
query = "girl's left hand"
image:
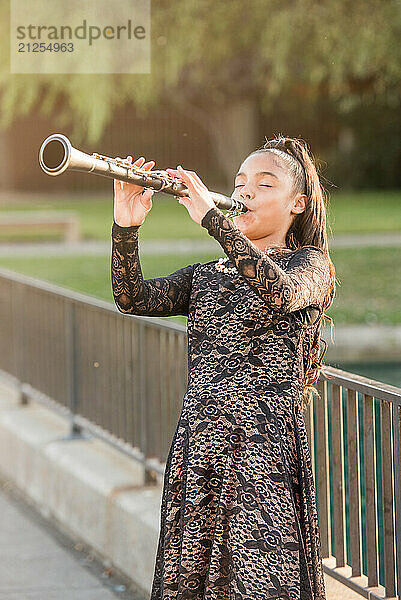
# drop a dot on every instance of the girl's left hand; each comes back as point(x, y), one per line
point(199, 200)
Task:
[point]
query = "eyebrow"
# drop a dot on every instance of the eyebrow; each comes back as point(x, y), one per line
point(258, 173)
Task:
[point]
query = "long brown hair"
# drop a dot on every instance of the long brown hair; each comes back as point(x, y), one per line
point(308, 228)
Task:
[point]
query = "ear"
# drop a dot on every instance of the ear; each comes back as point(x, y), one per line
point(298, 203)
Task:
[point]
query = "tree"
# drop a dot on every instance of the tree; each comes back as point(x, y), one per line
point(223, 61)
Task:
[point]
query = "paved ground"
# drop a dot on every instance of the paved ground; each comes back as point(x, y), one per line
point(175, 246)
point(38, 562)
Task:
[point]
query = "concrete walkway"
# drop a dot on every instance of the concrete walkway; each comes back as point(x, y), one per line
point(38, 562)
point(184, 246)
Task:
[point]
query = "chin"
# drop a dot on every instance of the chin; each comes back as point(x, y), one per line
point(242, 225)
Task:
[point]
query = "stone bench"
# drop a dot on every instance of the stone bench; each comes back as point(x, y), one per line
point(67, 222)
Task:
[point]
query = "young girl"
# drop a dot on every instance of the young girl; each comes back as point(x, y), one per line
point(238, 515)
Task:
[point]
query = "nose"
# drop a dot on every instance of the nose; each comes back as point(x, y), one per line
point(246, 192)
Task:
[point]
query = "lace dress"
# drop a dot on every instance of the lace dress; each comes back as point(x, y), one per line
point(238, 514)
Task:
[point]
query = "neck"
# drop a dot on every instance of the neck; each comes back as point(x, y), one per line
point(268, 241)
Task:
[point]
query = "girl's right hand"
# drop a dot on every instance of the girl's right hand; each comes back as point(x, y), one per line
point(132, 202)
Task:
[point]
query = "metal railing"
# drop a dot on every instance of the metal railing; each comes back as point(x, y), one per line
point(123, 378)
point(354, 436)
point(120, 378)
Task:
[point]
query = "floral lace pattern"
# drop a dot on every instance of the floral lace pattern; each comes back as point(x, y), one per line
point(159, 297)
point(238, 514)
point(304, 283)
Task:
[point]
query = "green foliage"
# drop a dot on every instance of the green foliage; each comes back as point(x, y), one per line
point(212, 52)
point(374, 159)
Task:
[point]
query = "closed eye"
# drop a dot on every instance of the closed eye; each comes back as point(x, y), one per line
point(261, 185)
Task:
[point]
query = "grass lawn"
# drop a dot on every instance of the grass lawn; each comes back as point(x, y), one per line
point(91, 274)
point(167, 220)
point(365, 212)
point(357, 212)
point(368, 289)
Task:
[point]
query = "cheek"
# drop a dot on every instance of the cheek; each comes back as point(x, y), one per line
point(274, 211)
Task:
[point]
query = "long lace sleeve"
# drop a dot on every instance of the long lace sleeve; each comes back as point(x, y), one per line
point(159, 297)
point(304, 282)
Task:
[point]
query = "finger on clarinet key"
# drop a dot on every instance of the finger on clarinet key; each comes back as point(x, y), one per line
point(174, 173)
point(188, 179)
point(188, 176)
point(194, 178)
point(183, 174)
point(187, 171)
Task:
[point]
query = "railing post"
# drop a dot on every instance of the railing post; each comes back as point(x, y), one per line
point(149, 476)
point(370, 481)
point(396, 416)
point(388, 499)
point(71, 366)
point(18, 342)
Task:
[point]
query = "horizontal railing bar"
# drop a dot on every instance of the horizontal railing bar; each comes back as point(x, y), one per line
point(354, 585)
point(66, 293)
point(365, 385)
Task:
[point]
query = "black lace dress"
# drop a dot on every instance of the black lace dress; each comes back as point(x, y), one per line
point(238, 514)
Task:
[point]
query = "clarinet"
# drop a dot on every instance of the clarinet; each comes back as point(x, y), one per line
point(57, 155)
